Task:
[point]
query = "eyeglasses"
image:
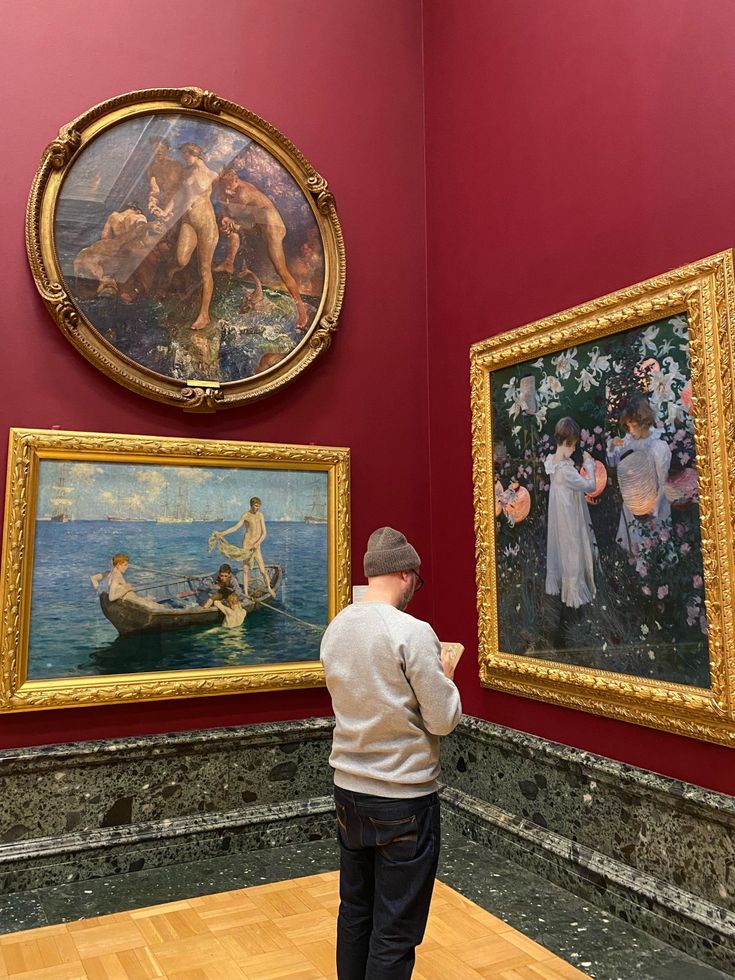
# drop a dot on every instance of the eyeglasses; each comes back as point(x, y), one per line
point(419, 581)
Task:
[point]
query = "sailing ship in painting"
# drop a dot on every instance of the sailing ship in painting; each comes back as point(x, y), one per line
point(61, 501)
point(317, 513)
point(176, 511)
point(203, 557)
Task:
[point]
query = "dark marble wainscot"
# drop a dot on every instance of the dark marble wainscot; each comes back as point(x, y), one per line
point(656, 852)
point(90, 809)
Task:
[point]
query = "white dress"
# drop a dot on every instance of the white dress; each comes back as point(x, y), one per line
point(570, 543)
point(630, 531)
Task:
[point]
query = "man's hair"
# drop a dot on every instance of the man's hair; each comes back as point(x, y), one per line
point(230, 596)
point(255, 500)
point(638, 410)
point(225, 568)
point(119, 558)
point(566, 431)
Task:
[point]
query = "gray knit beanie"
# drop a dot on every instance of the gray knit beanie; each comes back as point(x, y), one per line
point(388, 551)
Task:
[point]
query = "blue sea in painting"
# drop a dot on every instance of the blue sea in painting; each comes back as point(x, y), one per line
point(70, 637)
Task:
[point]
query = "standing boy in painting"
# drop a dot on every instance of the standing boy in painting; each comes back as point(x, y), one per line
point(250, 553)
point(570, 539)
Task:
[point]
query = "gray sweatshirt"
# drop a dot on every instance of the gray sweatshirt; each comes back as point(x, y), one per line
point(391, 700)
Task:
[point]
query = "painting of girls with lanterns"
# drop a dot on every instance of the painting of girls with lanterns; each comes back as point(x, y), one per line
point(597, 530)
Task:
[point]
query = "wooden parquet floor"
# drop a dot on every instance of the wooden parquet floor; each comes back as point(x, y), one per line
point(281, 931)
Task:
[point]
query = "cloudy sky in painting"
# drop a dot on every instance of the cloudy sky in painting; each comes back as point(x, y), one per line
point(94, 491)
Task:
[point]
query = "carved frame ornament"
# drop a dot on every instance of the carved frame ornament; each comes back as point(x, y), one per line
point(188, 393)
point(29, 447)
point(705, 291)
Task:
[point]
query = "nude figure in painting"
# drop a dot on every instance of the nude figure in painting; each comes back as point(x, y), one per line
point(198, 227)
point(245, 208)
point(124, 259)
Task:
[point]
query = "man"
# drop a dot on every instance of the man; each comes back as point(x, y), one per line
point(245, 208)
point(250, 553)
point(393, 696)
point(165, 181)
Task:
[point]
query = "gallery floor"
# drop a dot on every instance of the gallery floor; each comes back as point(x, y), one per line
point(174, 930)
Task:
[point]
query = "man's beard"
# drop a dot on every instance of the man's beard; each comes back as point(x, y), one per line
point(405, 599)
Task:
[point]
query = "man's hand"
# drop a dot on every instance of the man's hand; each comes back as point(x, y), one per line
point(450, 654)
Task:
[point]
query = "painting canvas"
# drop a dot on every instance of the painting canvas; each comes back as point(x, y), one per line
point(144, 568)
point(604, 479)
point(186, 247)
point(190, 247)
point(606, 574)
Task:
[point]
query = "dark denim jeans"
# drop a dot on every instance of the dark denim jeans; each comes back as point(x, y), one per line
point(389, 849)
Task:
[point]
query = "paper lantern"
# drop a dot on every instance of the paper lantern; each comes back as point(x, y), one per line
point(498, 501)
point(517, 504)
point(638, 483)
point(600, 480)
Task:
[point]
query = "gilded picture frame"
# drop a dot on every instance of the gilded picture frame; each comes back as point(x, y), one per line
point(599, 588)
point(124, 578)
point(186, 248)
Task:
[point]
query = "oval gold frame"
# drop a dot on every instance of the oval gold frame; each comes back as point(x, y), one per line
point(191, 394)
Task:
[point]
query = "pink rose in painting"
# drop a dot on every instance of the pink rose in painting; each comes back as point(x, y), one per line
point(597, 429)
point(703, 623)
point(685, 548)
point(686, 396)
point(647, 542)
point(663, 591)
point(643, 569)
point(681, 530)
point(664, 534)
point(684, 458)
point(697, 581)
point(645, 590)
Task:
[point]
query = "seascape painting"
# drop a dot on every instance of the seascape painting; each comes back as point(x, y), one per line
point(189, 247)
point(145, 567)
point(598, 550)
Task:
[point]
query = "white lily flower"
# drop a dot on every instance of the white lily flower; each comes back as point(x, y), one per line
point(511, 391)
point(647, 339)
point(586, 381)
point(599, 362)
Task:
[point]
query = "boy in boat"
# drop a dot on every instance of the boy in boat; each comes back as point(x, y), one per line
point(250, 553)
point(224, 583)
point(118, 588)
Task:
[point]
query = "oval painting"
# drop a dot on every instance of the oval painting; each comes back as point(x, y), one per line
point(189, 247)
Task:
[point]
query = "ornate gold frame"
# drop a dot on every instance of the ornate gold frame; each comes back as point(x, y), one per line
point(29, 446)
point(706, 292)
point(191, 395)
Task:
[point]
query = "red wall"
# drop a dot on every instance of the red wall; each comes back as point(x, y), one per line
point(344, 82)
point(573, 148)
